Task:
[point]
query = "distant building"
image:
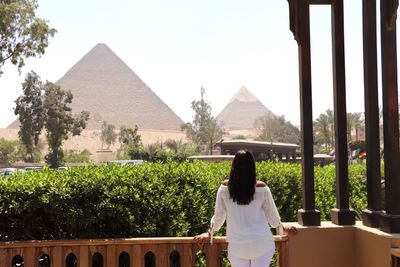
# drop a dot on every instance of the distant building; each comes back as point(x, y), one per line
point(260, 150)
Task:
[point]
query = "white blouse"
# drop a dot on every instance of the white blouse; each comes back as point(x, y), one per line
point(247, 229)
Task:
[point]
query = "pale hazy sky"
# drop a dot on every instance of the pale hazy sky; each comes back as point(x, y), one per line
point(177, 46)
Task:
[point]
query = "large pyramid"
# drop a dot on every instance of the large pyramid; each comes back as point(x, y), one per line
point(241, 112)
point(104, 85)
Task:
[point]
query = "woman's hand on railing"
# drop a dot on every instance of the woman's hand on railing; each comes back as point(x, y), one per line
point(290, 229)
point(202, 239)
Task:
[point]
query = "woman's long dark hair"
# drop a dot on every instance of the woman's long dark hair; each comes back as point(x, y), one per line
point(242, 179)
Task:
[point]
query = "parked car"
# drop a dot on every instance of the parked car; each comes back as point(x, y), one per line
point(127, 161)
point(32, 168)
point(7, 171)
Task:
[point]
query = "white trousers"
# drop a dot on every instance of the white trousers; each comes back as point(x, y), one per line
point(262, 261)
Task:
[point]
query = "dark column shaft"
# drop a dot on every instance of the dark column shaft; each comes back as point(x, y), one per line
point(341, 215)
point(391, 219)
point(371, 214)
point(308, 215)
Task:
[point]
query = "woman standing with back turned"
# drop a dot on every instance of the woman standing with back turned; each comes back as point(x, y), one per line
point(248, 207)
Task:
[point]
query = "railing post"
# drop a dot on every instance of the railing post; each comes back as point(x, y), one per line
point(342, 215)
point(390, 220)
point(371, 215)
point(83, 257)
point(300, 24)
point(112, 257)
point(138, 257)
point(212, 255)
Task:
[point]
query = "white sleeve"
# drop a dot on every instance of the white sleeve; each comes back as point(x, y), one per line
point(220, 212)
point(271, 212)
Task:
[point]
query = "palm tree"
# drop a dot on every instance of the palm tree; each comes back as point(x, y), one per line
point(173, 145)
point(321, 126)
point(331, 123)
point(354, 121)
point(358, 122)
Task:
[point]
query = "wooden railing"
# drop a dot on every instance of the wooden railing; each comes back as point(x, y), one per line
point(395, 254)
point(133, 252)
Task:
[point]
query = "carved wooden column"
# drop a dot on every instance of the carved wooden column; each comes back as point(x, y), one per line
point(300, 25)
point(390, 220)
point(371, 215)
point(341, 215)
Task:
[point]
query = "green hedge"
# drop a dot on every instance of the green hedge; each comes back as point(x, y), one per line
point(155, 199)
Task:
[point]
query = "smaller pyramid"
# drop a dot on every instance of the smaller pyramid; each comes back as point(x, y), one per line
point(242, 110)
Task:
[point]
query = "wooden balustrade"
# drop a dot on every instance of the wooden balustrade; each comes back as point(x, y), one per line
point(395, 257)
point(160, 252)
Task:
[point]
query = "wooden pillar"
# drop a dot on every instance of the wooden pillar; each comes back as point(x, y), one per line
point(371, 215)
point(390, 220)
point(308, 215)
point(341, 215)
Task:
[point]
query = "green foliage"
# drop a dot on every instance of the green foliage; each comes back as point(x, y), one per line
point(75, 157)
point(357, 144)
point(204, 130)
point(131, 143)
point(154, 199)
point(322, 132)
point(8, 151)
point(29, 108)
point(273, 128)
point(47, 106)
point(138, 152)
point(170, 150)
point(23, 34)
point(59, 121)
point(355, 121)
point(108, 134)
point(13, 150)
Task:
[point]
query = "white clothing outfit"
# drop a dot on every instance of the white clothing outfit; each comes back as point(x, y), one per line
point(259, 262)
point(247, 230)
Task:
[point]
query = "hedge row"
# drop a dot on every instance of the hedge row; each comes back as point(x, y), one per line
point(155, 199)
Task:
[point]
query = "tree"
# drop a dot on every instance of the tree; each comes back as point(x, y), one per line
point(331, 123)
point(272, 128)
point(23, 34)
point(47, 106)
point(204, 130)
point(354, 122)
point(179, 149)
point(108, 134)
point(59, 121)
point(77, 157)
point(322, 130)
point(213, 133)
point(29, 108)
point(8, 150)
point(131, 142)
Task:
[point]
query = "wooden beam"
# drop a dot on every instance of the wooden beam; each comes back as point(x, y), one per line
point(320, 2)
point(342, 215)
point(390, 221)
point(308, 215)
point(371, 215)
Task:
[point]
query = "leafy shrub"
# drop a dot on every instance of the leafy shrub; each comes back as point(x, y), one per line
point(77, 157)
point(154, 199)
point(357, 144)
